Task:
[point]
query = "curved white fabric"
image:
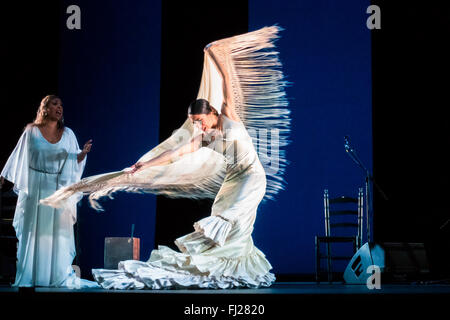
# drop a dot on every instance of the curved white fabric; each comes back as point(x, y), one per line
point(46, 246)
point(211, 80)
point(215, 228)
point(195, 175)
point(220, 252)
point(146, 275)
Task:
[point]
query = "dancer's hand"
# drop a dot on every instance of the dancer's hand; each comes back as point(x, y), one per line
point(135, 167)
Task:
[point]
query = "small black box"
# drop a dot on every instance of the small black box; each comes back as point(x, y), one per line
point(120, 249)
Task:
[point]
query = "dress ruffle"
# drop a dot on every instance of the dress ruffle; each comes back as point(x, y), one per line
point(214, 228)
point(209, 232)
point(168, 269)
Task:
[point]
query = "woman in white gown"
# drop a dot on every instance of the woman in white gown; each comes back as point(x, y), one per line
point(46, 158)
point(211, 156)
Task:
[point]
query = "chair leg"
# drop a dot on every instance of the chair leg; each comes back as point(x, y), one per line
point(329, 262)
point(317, 258)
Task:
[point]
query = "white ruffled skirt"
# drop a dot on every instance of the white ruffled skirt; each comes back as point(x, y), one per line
point(219, 254)
point(212, 257)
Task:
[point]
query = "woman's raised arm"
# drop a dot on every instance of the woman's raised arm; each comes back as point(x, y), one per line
point(220, 59)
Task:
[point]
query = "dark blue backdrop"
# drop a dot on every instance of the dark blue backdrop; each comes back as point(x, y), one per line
point(109, 83)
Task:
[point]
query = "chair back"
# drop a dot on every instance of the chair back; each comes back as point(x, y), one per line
point(342, 205)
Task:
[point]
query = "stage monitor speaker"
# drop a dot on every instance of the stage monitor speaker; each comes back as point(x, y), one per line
point(397, 261)
point(120, 249)
point(358, 267)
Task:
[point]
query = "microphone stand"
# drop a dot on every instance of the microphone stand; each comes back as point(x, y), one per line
point(368, 180)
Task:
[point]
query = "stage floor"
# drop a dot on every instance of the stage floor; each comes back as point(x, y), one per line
point(279, 288)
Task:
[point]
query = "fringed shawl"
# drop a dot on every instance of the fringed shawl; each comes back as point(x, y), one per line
point(259, 99)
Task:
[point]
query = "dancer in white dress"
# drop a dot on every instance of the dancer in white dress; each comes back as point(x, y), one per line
point(220, 253)
point(38, 167)
point(211, 155)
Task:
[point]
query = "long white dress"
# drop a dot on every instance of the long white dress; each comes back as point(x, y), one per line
point(46, 246)
point(220, 252)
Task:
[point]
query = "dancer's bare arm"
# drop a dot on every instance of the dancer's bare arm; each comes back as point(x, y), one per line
point(170, 155)
point(221, 61)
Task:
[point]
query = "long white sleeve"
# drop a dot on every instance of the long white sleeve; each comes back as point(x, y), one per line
point(72, 170)
point(17, 166)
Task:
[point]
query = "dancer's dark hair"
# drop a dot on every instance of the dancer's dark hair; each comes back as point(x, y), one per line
point(201, 106)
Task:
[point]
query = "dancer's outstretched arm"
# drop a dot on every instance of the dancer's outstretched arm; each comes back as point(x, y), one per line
point(169, 155)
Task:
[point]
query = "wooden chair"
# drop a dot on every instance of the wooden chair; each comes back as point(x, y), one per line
point(329, 238)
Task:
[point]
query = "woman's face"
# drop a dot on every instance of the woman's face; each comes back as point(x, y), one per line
point(55, 109)
point(205, 121)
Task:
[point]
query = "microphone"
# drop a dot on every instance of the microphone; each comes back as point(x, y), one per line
point(353, 154)
point(347, 144)
point(350, 150)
